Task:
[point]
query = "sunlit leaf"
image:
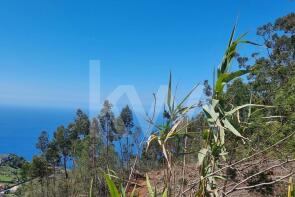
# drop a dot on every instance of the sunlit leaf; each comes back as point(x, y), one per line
point(231, 128)
point(241, 107)
point(187, 96)
point(150, 140)
point(202, 154)
point(173, 130)
point(111, 186)
point(230, 76)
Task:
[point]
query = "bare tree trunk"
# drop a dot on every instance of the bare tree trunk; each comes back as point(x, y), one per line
point(74, 153)
point(127, 151)
point(42, 186)
point(54, 172)
point(108, 135)
point(122, 158)
point(47, 186)
point(94, 175)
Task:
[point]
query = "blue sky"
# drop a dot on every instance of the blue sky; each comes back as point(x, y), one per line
point(45, 46)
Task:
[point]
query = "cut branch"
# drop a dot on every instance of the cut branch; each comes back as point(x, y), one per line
point(265, 170)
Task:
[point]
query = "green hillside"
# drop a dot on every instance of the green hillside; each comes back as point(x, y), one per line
point(9, 174)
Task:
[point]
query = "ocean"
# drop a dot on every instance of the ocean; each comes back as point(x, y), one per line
point(21, 126)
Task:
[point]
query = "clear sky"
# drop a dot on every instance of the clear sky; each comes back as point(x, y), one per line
point(45, 46)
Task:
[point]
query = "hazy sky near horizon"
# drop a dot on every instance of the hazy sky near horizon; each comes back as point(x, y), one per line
point(46, 46)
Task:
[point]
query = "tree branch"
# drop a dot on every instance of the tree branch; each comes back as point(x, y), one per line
point(262, 184)
point(246, 179)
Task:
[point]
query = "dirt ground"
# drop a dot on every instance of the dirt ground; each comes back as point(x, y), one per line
point(156, 179)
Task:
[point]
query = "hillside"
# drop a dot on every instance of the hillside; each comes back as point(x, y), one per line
point(10, 172)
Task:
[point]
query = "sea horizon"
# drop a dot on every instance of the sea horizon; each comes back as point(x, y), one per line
point(20, 127)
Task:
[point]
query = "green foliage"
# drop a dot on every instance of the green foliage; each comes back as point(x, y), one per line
point(43, 141)
point(230, 127)
point(175, 115)
point(39, 167)
point(114, 191)
point(107, 122)
point(112, 187)
point(9, 174)
point(219, 121)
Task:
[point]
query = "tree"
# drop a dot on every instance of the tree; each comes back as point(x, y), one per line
point(43, 141)
point(77, 130)
point(25, 171)
point(39, 169)
point(94, 132)
point(126, 116)
point(272, 83)
point(82, 123)
point(53, 157)
point(61, 137)
point(107, 123)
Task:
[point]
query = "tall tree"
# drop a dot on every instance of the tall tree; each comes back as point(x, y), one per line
point(53, 158)
point(126, 116)
point(39, 169)
point(79, 128)
point(272, 83)
point(61, 137)
point(82, 123)
point(43, 141)
point(94, 132)
point(107, 123)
